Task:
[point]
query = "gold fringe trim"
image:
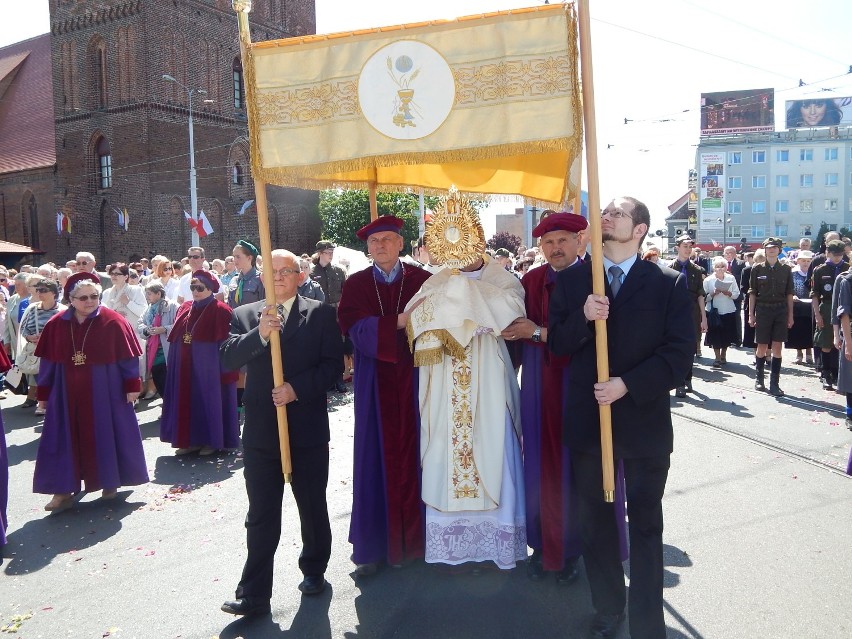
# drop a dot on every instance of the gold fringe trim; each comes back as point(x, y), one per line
point(429, 357)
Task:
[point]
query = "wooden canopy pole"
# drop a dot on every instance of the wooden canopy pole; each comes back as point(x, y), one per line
point(243, 7)
point(598, 286)
point(374, 206)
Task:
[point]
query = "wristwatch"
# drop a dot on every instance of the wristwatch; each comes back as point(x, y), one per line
point(536, 336)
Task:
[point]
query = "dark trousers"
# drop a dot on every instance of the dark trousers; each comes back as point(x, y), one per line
point(158, 374)
point(645, 480)
point(265, 488)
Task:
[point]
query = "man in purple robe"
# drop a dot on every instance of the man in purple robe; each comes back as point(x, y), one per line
point(387, 513)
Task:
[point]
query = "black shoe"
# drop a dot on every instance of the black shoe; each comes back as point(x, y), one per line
point(849, 422)
point(775, 390)
point(689, 386)
point(568, 574)
point(535, 571)
point(29, 403)
point(340, 387)
point(605, 626)
point(681, 391)
point(247, 607)
point(365, 570)
point(313, 584)
point(759, 385)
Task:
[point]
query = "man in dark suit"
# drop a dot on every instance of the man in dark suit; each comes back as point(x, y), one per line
point(651, 345)
point(735, 268)
point(312, 355)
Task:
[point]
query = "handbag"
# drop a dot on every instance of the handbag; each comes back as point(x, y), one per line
point(26, 360)
point(15, 381)
point(714, 320)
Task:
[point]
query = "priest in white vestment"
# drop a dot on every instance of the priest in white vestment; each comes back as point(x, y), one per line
point(470, 415)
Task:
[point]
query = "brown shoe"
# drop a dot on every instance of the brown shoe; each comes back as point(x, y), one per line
point(59, 502)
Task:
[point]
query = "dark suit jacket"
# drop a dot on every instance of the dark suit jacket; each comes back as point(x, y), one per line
point(651, 344)
point(312, 352)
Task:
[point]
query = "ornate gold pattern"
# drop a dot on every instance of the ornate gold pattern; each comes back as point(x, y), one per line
point(241, 6)
point(310, 104)
point(455, 237)
point(498, 81)
point(513, 79)
point(465, 476)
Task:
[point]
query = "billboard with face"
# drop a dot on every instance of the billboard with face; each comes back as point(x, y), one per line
point(727, 112)
point(813, 112)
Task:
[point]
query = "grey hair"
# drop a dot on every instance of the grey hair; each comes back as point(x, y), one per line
point(86, 282)
point(155, 287)
point(720, 261)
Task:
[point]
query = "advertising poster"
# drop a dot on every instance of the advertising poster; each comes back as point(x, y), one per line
point(711, 193)
point(729, 112)
point(818, 111)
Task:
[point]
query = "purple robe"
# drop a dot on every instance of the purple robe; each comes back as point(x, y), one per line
point(200, 402)
point(64, 458)
point(387, 512)
point(4, 484)
point(552, 525)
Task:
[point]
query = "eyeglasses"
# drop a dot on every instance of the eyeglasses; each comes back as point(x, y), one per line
point(615, 215)
point(284, 272)
point(82, 263)
point(168, 268)
point(3, 280)
point(134, 277)
point(196, 257)
point(85, 298)
point(116, 274)
point(198, 288)
point(43, 290)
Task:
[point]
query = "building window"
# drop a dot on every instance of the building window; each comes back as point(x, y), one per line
point(735, 208)
point(781, 230)
point(806, 206)
point(239, 100)
point(830, 154)
point(806, 230)
point(758, 157)
point(758, 231)
point(237, 174)
point(758, 182)
point(735, 231)
point(735, 157)
point(782, 181)
point(806, 155)
point(831, 179)
point(104, 164)
point(735, 183)
point(758, 206)
point(782, 155)
point(33, 211)
point(782, 206)
point(831, 204)
point(831, 227)
point(806, 180)
point(850, 204)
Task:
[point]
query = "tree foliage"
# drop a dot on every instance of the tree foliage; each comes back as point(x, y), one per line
point(343, 212)
point(505, 240)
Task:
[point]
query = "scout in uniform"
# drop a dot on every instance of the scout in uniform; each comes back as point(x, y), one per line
point(822, 290)
point(693, 275)
point(770, 312)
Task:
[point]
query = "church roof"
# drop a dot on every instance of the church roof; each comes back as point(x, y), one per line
point(26, 106)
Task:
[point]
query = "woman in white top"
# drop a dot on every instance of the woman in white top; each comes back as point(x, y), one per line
point(720, 291)
point(128, 300)
point(164, 273)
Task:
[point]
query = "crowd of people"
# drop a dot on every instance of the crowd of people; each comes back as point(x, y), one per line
point(476, 432)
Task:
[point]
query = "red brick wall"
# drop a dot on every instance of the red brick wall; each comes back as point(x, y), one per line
point(145, 120)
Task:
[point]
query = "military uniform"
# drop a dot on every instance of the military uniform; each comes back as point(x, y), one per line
point(331, 279)
point(822, 289)
point(773, 289)
point(771, 285)
point(693, 276)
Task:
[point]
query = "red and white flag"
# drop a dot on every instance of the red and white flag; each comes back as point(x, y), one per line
point(204, 228)
point(192, 223)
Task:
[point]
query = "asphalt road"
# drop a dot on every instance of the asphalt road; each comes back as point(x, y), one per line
point(758, 532)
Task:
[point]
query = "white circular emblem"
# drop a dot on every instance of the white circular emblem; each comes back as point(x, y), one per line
point(406, 90)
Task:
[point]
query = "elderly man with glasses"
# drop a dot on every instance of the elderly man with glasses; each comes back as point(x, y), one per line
point(86, 264)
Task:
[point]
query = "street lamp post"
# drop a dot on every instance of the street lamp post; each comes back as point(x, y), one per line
point(193, 187)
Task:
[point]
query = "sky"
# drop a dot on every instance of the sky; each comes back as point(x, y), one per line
point(651, 62)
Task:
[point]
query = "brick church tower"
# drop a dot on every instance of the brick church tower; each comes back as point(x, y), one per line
point(122, 135)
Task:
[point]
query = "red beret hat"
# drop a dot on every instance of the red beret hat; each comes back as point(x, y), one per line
point(384, 223)
point(75, 279)
point(560, 222)
point(208, 278)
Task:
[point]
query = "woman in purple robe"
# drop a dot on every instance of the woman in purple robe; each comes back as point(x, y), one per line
point(200, 400)
point(89, 356)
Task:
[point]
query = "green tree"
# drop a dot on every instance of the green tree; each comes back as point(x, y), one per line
point(505, 240)
point(343, 212)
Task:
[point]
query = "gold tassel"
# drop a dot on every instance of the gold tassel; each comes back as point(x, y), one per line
point(429, 357)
